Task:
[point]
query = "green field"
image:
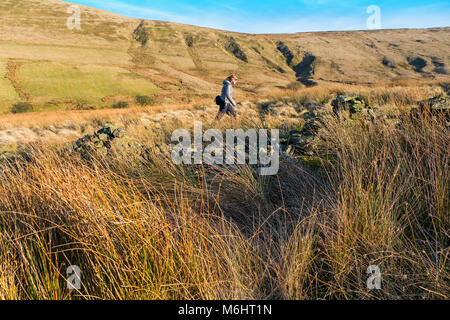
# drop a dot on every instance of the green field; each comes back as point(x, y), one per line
point(47, 80)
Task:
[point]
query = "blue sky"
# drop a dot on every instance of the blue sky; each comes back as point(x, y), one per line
point(282, 16)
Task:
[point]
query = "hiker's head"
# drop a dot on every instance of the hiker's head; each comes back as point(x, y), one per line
point(233, 78)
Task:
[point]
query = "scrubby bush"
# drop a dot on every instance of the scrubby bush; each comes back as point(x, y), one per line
point(21, 107)
point(120, 105)
point(145, 100)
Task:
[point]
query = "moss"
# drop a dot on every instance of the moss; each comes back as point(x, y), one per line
point(316, 163)
point(312, 162)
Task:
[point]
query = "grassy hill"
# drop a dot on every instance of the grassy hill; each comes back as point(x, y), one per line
point(114, 58)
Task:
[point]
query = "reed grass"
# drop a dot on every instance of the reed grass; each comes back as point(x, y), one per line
point(153, 230)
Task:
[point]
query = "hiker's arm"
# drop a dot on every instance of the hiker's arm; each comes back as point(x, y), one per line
point(228, 95)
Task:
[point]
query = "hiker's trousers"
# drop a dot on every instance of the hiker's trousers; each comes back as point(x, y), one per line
point(228, 109)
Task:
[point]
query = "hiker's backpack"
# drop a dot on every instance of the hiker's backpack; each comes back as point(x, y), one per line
point(220, 101)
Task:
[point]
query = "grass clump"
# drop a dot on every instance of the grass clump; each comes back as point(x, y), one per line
point(81, 105)
point(120, 105)
point(21, 107)
point(145, 100)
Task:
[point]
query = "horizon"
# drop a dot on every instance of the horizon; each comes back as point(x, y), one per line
point(274, 17)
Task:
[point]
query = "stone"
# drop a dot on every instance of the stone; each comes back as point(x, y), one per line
point(312, 105)
point(352, 103)
point(312, 127)
point(102, 137)
point(294, 137)
point(355, 105)
point(303, 141)
point(310, 115)
point(103, 140)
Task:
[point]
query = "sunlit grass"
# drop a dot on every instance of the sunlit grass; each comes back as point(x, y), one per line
point(142, 229)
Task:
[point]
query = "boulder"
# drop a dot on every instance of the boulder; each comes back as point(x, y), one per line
point(100, 141)
point(312, 105)
point(438, 106)
point(355, 105)
point(304, 141)
point(351, 103)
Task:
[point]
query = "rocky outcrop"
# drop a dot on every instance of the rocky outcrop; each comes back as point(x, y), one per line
point(304, 68)
point(140, 34)
point(356, 107)
point(438, 107)
point(388, 63)
point(235, 49)
point(439, 66)
point(305, 141)
point(286, 52)
point(417, 63)
point(105, 140)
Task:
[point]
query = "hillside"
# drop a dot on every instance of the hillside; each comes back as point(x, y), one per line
point(114, 58)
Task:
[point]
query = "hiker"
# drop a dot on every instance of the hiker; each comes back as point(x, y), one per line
point(227, 93)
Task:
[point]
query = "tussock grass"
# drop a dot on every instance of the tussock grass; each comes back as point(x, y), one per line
point(7, 92)
point(392, 94)
point(143, 229)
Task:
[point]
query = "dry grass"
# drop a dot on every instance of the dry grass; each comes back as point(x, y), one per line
point(398, 94)
point(74, 117)
point(153, 230)
point(143, 229)
point(35, 34)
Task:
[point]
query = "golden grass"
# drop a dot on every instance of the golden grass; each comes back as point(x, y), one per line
point(153, 230)
point(42, 119)
point(393, 94)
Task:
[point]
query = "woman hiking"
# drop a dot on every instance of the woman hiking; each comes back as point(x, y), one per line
point(227, 94)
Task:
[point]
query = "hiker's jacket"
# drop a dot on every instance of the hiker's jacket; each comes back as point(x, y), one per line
point(227, 92)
